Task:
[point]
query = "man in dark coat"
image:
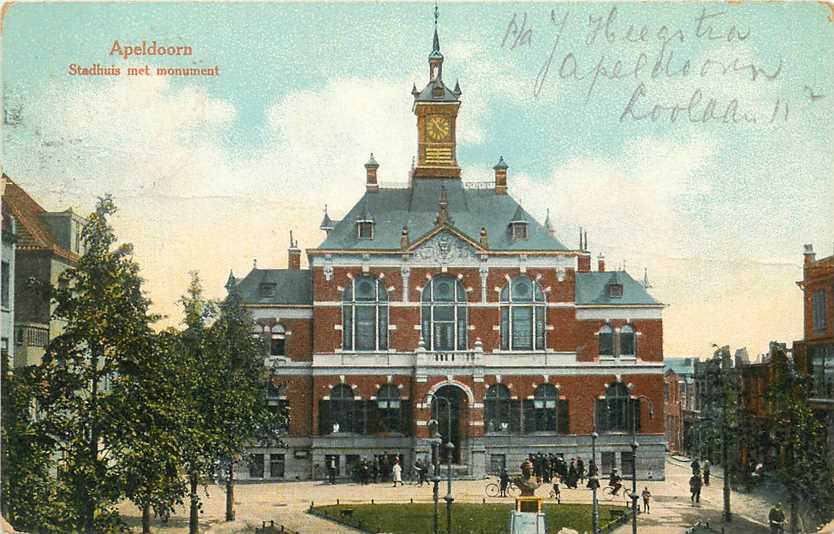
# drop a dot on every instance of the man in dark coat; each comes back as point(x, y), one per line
point(695, 488)
point(572, 476)
point(580, 470)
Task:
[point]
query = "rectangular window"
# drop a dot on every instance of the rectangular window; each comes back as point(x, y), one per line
point(819, 310)
point(365, 327)
point(4, 345)
point(278, 346)
point(276, 465)
point(627, 461)
point(607, 463)
point(522, 328)
point(666, 391)
point(267, 290)
point(365, 230)
point(256, 466)
point(347, 327)
point(505, 328)
point(497, 462)
point(540, 328)
point(5, 284)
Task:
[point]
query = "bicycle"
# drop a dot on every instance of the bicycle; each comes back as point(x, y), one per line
point(493, 489)
point(608, 493)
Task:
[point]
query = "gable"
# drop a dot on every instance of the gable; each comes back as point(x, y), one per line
point(443, 247)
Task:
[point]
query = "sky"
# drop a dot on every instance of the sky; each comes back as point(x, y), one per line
point(210, 173)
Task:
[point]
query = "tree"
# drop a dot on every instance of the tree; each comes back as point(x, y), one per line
point(804, 467)
point(29, 490)
point(152, 450)
point(80, 402)
point(222, 382)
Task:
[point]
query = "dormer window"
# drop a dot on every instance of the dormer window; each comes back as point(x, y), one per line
point(266, 290)
point(518, 225)
point(365, 229)
point(615, 291)
point(519, 230)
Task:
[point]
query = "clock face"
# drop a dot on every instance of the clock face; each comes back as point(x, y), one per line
point(438, 128)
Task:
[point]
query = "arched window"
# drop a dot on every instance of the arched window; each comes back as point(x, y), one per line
point(365, 315)
point(606, 341)
point(278, 341)
point(389, 408)
point(497, 405)
point(544, 402)
point(522, 315)
point(341, 408)
point(627, 341)
point(444, 314)
point(614, 412)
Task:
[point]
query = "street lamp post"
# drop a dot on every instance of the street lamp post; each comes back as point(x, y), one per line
point(435, 460)
point(594, 484)
point(450, 447)
point(634, 445)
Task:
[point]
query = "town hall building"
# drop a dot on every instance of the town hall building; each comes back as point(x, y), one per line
point(448, 301)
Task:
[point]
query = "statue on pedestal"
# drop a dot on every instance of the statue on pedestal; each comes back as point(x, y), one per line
point(527, 482)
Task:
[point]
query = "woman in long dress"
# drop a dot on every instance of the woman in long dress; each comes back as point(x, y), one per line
point(397, 470)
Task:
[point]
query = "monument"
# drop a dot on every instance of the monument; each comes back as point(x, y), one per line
point(528, 517)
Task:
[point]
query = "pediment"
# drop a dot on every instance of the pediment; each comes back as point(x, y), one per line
point(443, 247)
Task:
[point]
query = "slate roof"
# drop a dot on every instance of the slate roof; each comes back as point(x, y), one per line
point(32, 231)
point(291, 287)
point(684, 367)
point(469, 210)
point(591, 288)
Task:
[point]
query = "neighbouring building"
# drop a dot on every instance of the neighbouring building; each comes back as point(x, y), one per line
point(446, 300)
point(7, 261)
point(684, 369)
point(815, 353)
point(47, 243)
point(673, 410)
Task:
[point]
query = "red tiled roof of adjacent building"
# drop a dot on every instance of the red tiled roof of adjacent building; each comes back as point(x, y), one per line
point(32, 231)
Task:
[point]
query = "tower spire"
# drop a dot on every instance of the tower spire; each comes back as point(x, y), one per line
point(436, 44)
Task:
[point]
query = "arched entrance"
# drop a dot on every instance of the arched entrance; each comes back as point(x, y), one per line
point(451, 420)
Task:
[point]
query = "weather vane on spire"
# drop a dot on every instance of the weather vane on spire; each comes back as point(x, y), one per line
point(436, 13)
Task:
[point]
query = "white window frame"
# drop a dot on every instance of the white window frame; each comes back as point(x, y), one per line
point(379, 291)
point(510, 304)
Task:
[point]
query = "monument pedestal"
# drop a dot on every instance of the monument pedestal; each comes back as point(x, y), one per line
point(527, 518)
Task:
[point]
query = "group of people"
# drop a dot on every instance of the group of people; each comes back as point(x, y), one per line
point(699, 478)
point(548, 466)
point(380, 469)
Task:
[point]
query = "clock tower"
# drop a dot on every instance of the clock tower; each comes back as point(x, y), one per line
point(436, 107)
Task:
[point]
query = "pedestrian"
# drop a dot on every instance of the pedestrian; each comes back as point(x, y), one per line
point(397, 470)
point(375, 470)
point(647, 497)
point(696, 467)
point(695, 488)
point(331, 470)
point(557, 493)
point(421, 472)
point(777, 519)
point(593, 482)
point(383, 467)
point(706, 472)
point(580, 470)
point(505, 481)
point(572, 476)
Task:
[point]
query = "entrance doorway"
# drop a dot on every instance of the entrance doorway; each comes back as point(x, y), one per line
point(450, 420)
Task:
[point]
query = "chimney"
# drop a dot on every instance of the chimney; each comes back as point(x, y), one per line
point(294, 255)
point(601, 263)
point(371, 184)
point(810, 255)
point(500, 176)
point(584, 263)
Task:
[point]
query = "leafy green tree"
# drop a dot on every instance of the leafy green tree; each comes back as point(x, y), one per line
point(29, 491)
point(151, 448)
point(222, 383)
point(105, 342)
point(804, 467)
